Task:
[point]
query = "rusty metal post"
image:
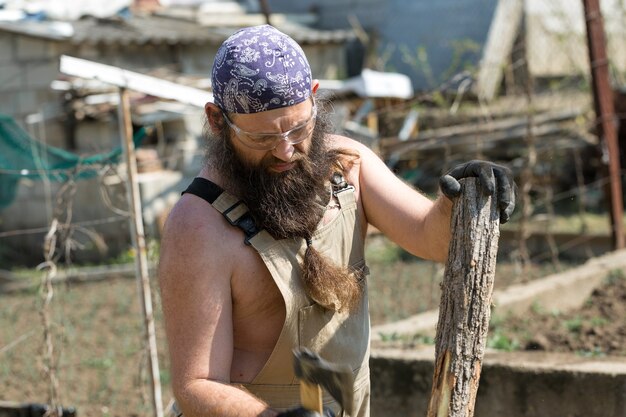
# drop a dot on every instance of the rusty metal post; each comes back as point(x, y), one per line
point(605, 115)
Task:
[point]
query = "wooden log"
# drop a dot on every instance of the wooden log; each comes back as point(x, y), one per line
point(465, 306)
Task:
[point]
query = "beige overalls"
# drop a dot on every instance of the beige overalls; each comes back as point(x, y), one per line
point(337, 337)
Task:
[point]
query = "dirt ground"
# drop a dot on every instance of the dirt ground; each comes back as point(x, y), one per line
point(101, 364)
point(100, 361)
point(597, 328)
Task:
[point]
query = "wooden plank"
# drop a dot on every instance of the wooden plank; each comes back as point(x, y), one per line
point(139, 243)
point(134, 81)
point(502, 32)
point(311, 397)
point(465, 306)
point(480, 140)
point(393, 145)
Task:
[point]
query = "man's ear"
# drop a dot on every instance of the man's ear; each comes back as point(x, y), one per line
point(214, 116)
point(315, 85)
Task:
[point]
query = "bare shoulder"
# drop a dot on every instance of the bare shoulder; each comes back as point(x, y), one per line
point(195, 278)
point(355, 152)
point(343, 142)
point(194, 222)
point(363, 159)
point(194, 239)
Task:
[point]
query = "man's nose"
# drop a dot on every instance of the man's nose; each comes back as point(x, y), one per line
point(284, 150)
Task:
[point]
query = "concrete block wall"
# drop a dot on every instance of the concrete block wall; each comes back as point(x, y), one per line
point(36, 204)
point(529, 384)
point(94, 136)
point(197, 59)
point(27, 67)
point(334, 14)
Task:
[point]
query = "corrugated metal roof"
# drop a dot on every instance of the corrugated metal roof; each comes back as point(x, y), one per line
point(150, 29)
point(141, 30)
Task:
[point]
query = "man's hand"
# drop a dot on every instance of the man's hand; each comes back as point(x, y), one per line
point(303, 412)
point(492, 177)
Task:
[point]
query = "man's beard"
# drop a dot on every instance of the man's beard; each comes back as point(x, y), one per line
point(286, 204)
point(291, 204)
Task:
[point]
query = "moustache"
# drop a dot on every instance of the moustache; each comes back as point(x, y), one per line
point(297, 157)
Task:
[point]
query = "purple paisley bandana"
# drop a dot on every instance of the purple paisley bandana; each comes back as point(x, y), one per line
point(260, 68)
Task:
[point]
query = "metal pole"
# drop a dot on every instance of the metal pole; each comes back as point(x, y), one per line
point(265, 9)
point(605, 113)
point(139, 243)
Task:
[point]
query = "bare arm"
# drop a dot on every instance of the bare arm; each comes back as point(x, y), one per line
point(410, 219)
point(194, 280)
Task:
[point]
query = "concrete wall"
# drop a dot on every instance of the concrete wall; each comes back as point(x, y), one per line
point(441, 29)
point(446, 31)
point(34, 207)
point(334, 14)
point(524, 384)
point(27, 67)
point(99, 228)
point(400, 27)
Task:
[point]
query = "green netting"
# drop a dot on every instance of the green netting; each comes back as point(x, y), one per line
point(24, 157)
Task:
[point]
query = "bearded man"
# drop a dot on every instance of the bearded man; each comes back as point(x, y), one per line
point(264, 252)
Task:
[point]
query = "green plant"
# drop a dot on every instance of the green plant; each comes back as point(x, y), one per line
point(537, 308)
point(98, 363)
point(598, 321)
point(419, 62)
point(615, 275)
point(165, 376)
point(596, 352)
point(574, 325)
point(389, 337)
point(423, 339)
point(382, 251)
point(128, 256)
point(501, 341)
point(462, 52)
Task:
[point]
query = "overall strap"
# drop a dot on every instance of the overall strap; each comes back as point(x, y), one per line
point(339, 184)
point(339, 187)
point(233, 209)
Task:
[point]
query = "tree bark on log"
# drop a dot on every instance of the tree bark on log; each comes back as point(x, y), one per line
point(465, 307)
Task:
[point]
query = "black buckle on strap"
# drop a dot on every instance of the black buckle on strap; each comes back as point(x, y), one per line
point(339, 184)
point(245, 222)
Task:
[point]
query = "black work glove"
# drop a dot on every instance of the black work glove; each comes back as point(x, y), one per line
point(303, 412)
point(492, 177)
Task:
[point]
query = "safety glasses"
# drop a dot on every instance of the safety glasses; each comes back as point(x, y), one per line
point(269, 141)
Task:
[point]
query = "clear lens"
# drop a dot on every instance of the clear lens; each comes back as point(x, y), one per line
point(268, 141)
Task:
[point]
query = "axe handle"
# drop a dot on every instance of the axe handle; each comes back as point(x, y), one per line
point(311, 397)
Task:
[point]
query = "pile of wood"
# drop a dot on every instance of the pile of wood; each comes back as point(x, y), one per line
point(439, 139)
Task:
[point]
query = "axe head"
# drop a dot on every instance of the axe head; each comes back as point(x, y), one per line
point(336, 379)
